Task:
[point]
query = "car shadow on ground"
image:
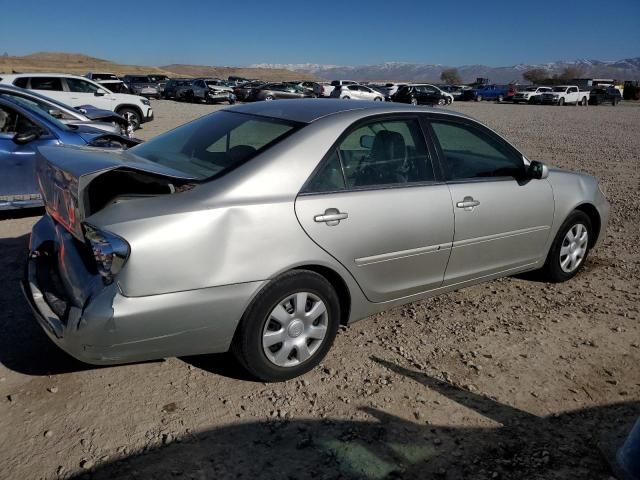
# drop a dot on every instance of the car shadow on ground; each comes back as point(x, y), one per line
point(520, 445)
point(24, 347)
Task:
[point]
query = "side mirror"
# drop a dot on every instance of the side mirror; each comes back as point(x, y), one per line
point(366, 141)
point(538, 170)
point(22, 138)
point(100, 93)
point(55, 113)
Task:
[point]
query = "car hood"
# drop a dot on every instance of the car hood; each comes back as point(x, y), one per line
point(65, 173)
point(87, 131)
point(93, 113)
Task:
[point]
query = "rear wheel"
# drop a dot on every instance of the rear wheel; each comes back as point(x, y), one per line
point(479, 98)
point(289, 327)
point(346, 98)
point(500, 98)
point(268, 98)
point(377, 99)
point(414, 101)
point(441, 101)
point(584, 101)
point(569, 249)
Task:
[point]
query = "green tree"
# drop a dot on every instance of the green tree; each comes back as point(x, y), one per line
point(450, 76)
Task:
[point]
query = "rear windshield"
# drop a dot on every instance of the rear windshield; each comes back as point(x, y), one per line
point(213, 145)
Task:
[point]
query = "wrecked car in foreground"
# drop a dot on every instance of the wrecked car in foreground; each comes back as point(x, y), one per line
point(261, 228)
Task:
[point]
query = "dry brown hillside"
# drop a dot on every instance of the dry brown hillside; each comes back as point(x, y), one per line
point(78, 63)
point(269, 74)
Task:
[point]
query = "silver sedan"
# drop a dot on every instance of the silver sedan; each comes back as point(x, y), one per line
point(263, 227)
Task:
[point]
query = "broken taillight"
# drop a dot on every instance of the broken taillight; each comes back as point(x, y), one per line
point(109, 251)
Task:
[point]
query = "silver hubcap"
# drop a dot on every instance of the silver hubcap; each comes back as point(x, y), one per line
point(295, 329)
point(574, 248)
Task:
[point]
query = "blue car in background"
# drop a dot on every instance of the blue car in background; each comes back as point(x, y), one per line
point(490, 92)
point(23, 129)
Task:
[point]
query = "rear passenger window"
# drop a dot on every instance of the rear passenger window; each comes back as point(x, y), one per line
point(46, 83)
point(329, 178)
point(470, 153)
point(21, 82)
point(391, 152)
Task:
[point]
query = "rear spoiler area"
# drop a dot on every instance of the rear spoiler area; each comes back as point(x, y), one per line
point(76, 182)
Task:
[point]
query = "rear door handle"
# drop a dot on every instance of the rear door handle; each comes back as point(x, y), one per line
point(468, 204)
point(331, 217)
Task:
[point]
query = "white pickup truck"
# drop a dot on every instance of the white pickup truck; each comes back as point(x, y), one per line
point(566, 94)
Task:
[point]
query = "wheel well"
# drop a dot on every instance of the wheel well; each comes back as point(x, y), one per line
point(594, 216)
point(131, 107)
point(340, 286)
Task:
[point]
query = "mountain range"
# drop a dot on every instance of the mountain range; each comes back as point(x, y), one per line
point(626, 69)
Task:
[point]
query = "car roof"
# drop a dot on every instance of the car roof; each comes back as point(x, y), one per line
point(42, 74)
point(312, 109)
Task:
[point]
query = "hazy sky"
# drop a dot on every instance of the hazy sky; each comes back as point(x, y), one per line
point(324, 31)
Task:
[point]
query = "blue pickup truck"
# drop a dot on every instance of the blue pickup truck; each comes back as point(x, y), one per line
point(490, 92)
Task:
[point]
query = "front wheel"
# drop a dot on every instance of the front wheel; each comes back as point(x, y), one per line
point(377, 99)
point(569, 249)
point(289, 327)
point(561, 102)
point(346, 98)
point(441, 101)
point(500, 98)
point(132, 116)
point(414, 101)
point(479, 98)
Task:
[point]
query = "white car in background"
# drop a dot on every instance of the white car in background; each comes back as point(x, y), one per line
point(530, 94)
point(356, 92)
point(323, 89)
point(79, 91)
point(392, 88)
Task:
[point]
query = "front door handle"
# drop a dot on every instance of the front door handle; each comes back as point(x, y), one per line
point(468, 204)
point(331, 217)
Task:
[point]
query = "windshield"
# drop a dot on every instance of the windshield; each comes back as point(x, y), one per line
point(103, 76)
point(213, 145)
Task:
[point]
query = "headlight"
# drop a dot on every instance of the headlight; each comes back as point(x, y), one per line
point(145, 102)
point(556, 96)
point(109, 251)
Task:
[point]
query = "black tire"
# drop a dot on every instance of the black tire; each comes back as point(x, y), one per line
point(414, 101)
point(500, 98)
point(247, 344)
point(269, 98)
point(134, 116)
point(346, 98)
point(561, 102)
point(552, 271)
point(479, 98)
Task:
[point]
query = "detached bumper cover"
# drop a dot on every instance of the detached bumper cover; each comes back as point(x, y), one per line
point(98, 325)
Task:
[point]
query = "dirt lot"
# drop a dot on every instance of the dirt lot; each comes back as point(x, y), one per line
point(511, 379)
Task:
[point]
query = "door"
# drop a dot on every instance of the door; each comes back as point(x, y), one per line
point(17, 162)
point(374, 205)
point(502, 220)
point(430, 95)
point(84, 92)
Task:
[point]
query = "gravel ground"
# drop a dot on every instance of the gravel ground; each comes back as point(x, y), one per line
point(510, 379)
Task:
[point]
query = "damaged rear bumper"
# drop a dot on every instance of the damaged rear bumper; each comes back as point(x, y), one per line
point(98, 325)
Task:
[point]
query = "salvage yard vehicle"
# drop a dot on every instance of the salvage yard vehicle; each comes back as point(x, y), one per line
point(276, 91)
point(456, 91)
point(489, 92)
point(109, 80)
point(160, 82)
point(319, 212)
point(422, 94)
point(207, 90)
point(530, 94)
point(323, 89)
point(78, 91)
point(172, 87)
point(605, 95)
point(105, 120)
point(566, 95)
point(242, 91)
point(142, 85)
point(25, 127)
point(356, 92)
